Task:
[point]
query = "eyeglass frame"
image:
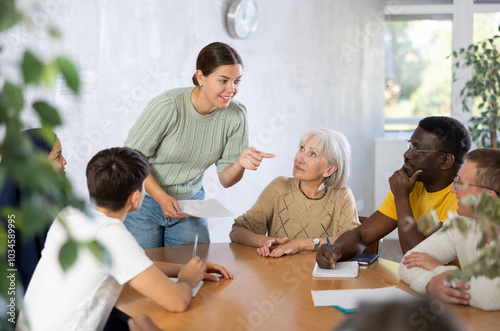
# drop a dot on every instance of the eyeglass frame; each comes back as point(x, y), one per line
point(456, 185)
point(413, 149)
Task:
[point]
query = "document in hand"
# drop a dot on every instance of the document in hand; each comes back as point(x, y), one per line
point(348, 269)
point(349, 300)
point(204, 208)
point(195, 289)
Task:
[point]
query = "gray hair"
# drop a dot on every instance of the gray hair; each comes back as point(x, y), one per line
point(335, 148)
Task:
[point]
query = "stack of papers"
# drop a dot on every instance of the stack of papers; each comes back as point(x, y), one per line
point(349, 300)
point(203, 208)
point(348, 269)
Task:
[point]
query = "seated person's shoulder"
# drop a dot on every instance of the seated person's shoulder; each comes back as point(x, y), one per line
point(283, 184)
point(283, 181)
point(74, 218)
point(343, 191)
point(91, 224)
point(278, 186)
point(280, 183)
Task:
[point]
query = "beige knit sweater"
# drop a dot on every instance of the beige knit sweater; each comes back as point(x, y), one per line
point(283, 211)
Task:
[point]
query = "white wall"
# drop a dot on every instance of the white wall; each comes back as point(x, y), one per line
point(316, 63)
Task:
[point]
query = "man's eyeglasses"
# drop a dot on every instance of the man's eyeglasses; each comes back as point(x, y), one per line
point(461, 186)
point(416, 150)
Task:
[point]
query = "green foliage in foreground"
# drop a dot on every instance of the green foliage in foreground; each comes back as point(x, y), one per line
point(488, 210)
point(45, 192)
point(488, 263)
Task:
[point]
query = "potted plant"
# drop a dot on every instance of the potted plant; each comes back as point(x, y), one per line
point(484, 88)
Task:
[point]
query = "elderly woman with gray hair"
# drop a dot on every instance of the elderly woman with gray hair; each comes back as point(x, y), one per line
point(299, 213)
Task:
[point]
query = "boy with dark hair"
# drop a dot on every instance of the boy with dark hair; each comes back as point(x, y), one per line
point(82, 297)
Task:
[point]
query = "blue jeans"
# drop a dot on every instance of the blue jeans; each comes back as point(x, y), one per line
point(152, 229)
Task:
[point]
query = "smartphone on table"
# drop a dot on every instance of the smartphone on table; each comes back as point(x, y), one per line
point(366, 259)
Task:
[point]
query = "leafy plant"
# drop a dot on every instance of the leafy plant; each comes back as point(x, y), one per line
point(45, 192)
point(488, 263)
point(484, 59)
point(488, 210)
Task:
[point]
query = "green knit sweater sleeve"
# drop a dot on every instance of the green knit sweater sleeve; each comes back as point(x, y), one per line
point(153, 124)
point(236, 140)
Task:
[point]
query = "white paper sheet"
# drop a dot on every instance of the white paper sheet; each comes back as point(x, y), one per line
point(204, 208)
point(350, 299)
point(195, 289)
point(347, 269)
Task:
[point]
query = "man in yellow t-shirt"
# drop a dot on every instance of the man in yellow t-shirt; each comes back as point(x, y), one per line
point(421, 201)
point(435, 153)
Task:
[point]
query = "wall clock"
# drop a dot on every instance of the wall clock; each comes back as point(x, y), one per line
point(241, 18)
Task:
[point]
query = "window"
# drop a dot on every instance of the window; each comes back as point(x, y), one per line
point(419, 37)
point(485, 25)
point(418, 70)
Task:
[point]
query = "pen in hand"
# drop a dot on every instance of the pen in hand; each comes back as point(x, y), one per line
point(195, 245)
point(331, 251)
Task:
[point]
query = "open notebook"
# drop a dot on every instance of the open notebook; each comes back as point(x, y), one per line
point(348, 269)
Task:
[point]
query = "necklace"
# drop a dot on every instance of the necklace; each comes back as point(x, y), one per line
point(321, 197)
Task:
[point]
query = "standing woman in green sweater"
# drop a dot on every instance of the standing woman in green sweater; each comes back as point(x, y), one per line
point(182, 132)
